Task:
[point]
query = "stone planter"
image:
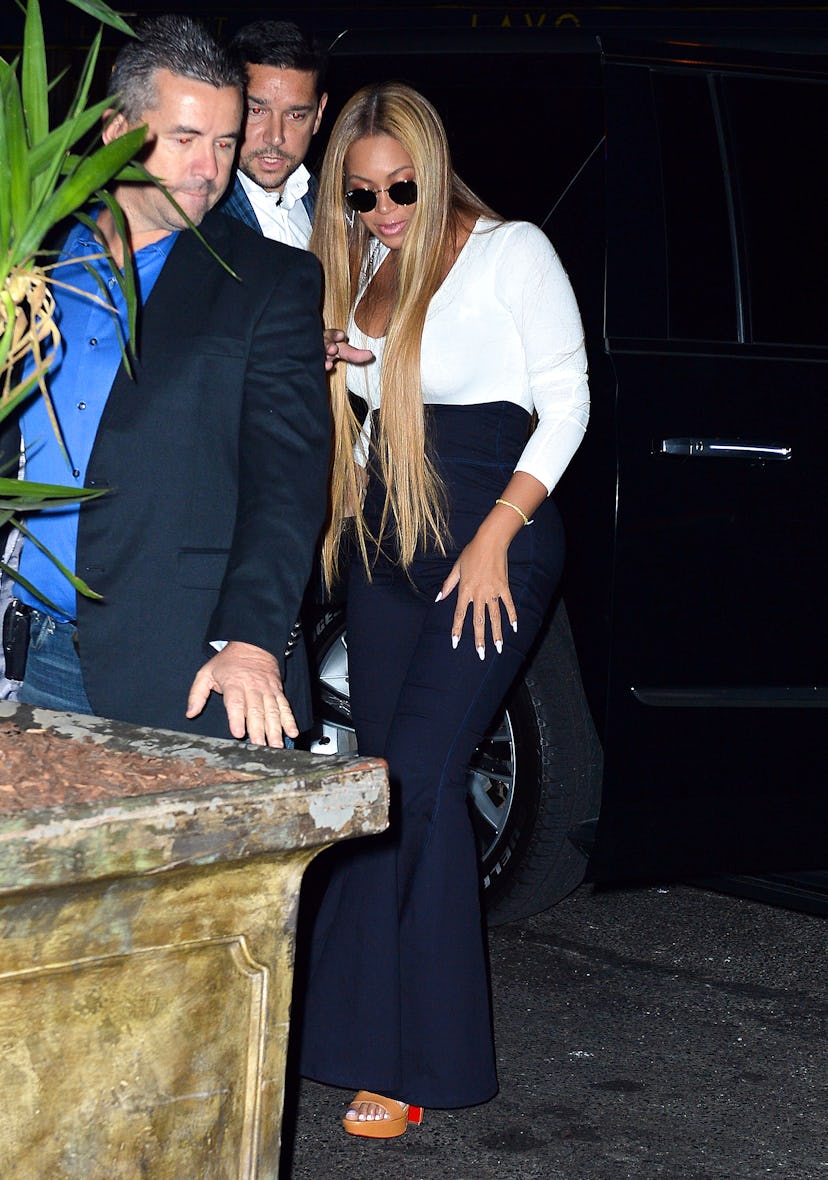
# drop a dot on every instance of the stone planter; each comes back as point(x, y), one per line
point(146, 957)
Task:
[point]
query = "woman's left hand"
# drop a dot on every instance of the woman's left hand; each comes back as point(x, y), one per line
point(481, 577)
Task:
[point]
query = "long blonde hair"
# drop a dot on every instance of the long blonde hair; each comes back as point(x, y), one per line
point(415, 499)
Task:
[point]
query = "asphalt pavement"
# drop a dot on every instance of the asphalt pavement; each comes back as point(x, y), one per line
point(642, 1033)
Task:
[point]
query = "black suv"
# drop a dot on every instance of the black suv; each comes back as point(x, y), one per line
point(679, 184)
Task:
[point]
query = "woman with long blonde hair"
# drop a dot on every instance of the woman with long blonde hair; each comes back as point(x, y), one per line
point(442, 522)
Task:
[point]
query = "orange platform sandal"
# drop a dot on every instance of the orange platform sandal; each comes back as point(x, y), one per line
point(394, 1122)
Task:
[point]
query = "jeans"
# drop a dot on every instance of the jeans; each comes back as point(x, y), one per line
point(53, 677)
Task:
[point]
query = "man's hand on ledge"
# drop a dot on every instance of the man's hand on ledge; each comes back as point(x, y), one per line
point(248, 677)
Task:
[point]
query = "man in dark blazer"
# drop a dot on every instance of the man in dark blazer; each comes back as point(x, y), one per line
point(273, 192)
point(214, 455)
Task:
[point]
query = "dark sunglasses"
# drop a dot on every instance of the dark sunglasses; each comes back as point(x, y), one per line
point(401, 192)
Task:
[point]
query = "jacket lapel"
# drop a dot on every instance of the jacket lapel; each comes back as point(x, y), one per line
point(167, 317)
point(237, 204)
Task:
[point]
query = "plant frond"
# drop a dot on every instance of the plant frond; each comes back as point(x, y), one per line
point(33, 81)
point(78, 583)
point(103, 13)
point(25, 583)
point(14, 154)
point(49, 158)
point(24, 495)
point(135, 172)
point(90, 175)
point(81, 96)
point(125, 279)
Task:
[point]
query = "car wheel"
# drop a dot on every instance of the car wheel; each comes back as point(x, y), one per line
point(535, 776)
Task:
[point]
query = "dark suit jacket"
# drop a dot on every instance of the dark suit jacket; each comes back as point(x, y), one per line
point(236, 202)
point(215, 458)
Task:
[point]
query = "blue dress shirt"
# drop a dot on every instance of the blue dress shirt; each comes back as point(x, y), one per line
point(79, 382)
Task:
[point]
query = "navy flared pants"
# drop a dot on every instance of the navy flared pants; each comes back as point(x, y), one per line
point(397, 999)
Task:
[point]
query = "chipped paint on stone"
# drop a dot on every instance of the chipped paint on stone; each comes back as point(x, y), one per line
point(330, 814)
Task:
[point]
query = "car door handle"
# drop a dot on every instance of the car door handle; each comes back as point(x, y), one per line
point(722, 448)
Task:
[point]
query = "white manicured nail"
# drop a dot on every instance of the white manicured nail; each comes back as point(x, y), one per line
point(514, 625)
point(481, 651)
point(455, 639)
point(439, 596)
point(499, 645)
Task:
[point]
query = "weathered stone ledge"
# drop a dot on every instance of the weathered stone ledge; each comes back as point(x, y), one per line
point(283, 800)
point(146, 958)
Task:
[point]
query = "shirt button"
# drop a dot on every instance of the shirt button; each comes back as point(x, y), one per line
point(93, 341)
point(76, 473)
point(81, 405)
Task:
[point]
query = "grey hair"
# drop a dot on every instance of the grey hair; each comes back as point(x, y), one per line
point(175, 43)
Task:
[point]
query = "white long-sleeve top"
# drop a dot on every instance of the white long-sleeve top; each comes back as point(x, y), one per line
point(504, 326)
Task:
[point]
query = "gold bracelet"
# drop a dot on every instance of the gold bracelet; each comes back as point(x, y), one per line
point(519, 511)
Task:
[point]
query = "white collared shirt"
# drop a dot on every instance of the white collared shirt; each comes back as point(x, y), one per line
point(282, 216)
point(503, 326)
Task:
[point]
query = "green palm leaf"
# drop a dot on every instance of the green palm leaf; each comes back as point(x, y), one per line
point(33, 80)
point(23, 495)
point(14, 151)
point(5, 163)
point(50, 153)
point(77, 582)
point(125, 278)
point(90, 175)
point(19, 393)
point(27, 585)
point(87, 73)
point(103, 13)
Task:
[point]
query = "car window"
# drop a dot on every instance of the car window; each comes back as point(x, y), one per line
point(700, 278)
point(777, 129)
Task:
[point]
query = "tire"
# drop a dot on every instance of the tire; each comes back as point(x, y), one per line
point(534, 777)
point(557, 769)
